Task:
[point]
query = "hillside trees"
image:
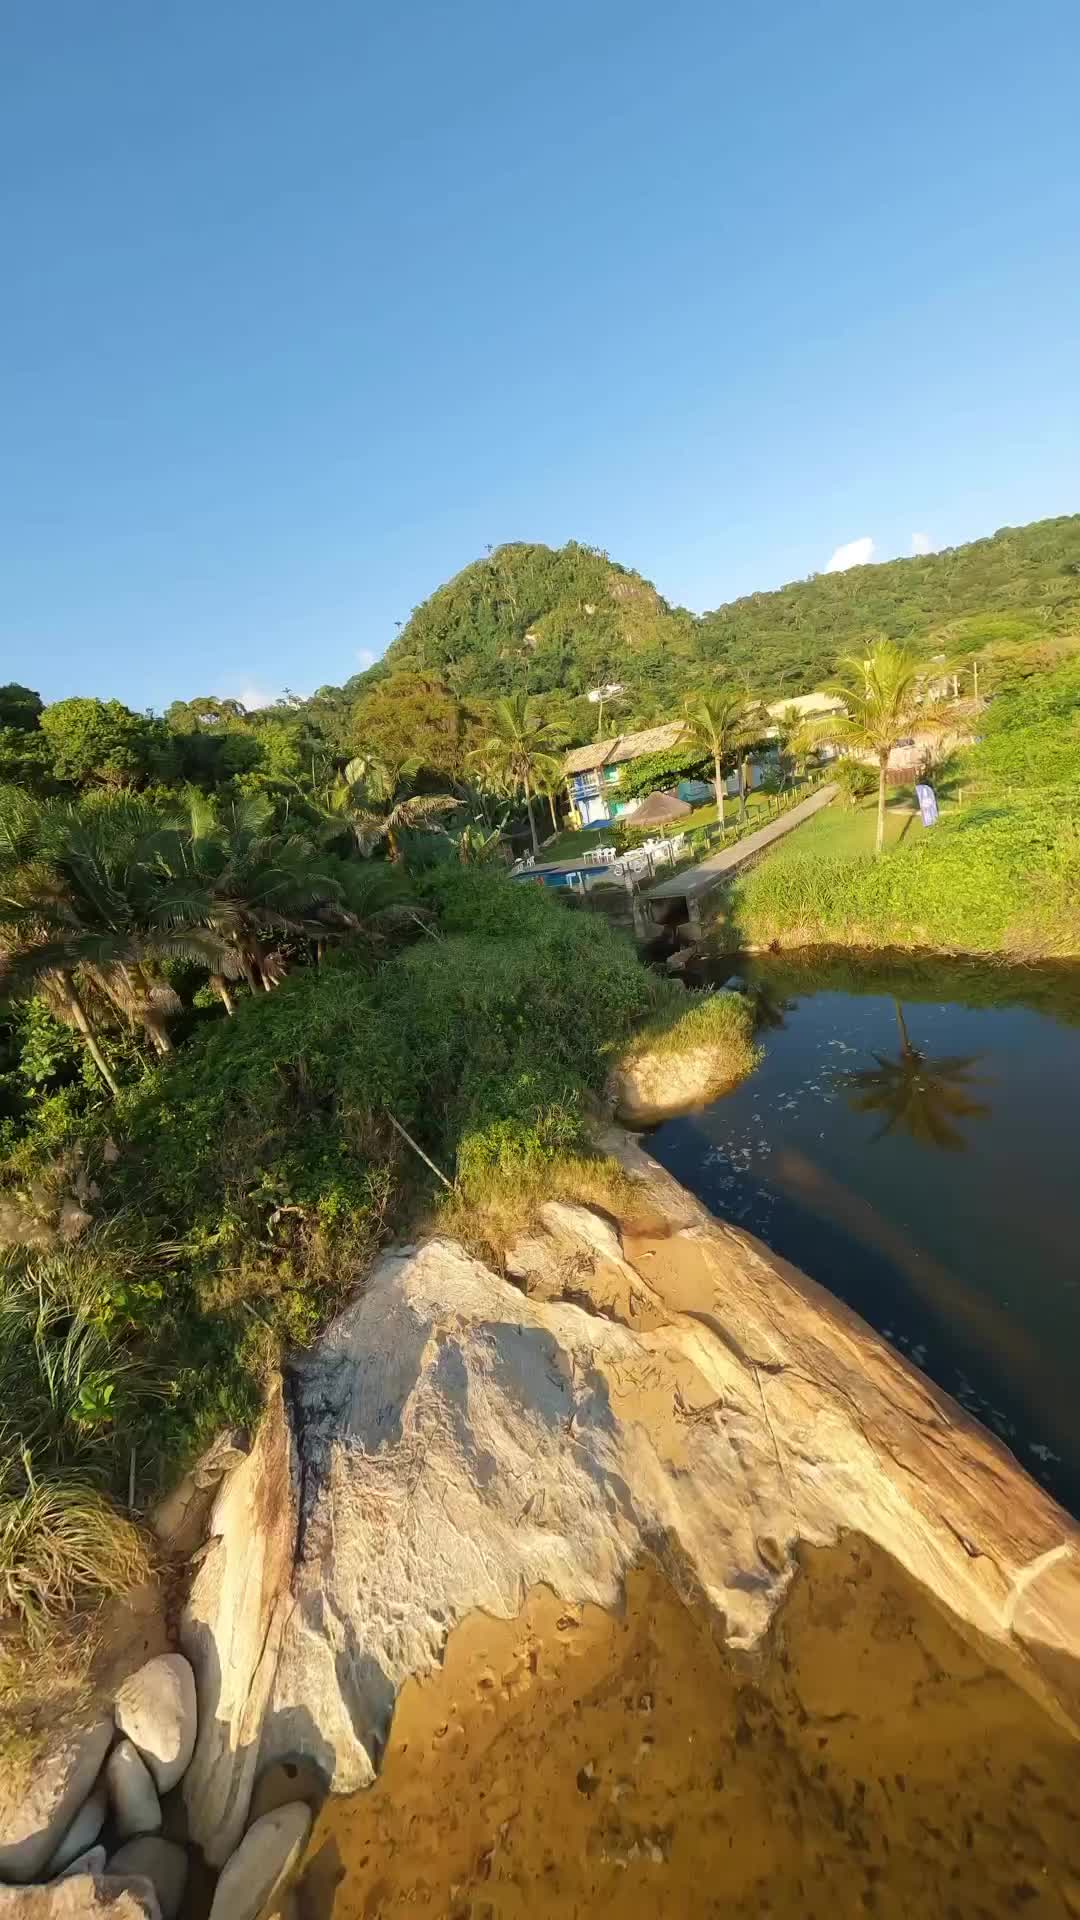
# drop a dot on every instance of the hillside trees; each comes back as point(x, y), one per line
point(542, 620)
point(102, 742)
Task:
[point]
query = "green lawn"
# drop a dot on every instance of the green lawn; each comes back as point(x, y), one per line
point(566, 845)
point(839, 831)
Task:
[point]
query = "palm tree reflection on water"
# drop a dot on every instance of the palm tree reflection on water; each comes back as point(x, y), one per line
point(918, 1095)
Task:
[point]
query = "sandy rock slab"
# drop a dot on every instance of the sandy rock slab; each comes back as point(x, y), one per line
point(692, 1403)
point(35, 1815)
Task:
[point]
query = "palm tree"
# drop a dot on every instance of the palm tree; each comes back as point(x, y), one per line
point(78, 887)
point(247, 883)
point(755, 727)
point(375, 798)
point(881, 696)
point(919, 1096)
point(522, 743)
point(549, 784)
point(715, 720)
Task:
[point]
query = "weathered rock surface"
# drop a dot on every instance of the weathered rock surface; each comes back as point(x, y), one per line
point(83, 1897)
point(162, 1862)
point(696, 1403)
point(156, 1709)
point(179, 1520)
point(262, 1863)
point(649, 1087)
point(284, 1782)
point(231, 1631)
point(132, 1794)
point(82, 1832)
point(34, 1817)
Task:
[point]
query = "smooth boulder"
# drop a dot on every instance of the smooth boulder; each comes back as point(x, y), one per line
point(92, 1861)
point(36, 1813)
point(162, 1862)
point(156, 1709)
point(135, 1805)
point(82, 1832)
point(262, 1863)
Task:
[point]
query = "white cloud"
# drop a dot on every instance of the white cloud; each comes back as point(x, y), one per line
point(855, 554)
point(921, 543)
point(249, 694)
point(254, 697)
point(366, 656)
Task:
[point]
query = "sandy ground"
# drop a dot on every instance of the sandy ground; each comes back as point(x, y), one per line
point(574, 1763)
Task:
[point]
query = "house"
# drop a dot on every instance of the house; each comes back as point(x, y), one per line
point(592, 773)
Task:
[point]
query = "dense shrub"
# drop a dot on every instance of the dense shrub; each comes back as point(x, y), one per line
point(250, 1181)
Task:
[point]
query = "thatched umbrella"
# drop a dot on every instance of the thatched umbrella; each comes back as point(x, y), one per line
point(659, 810)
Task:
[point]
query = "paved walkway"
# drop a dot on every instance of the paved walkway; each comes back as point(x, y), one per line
point(693, 880)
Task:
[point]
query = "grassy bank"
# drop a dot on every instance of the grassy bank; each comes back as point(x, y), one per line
point(999, 874)
point(719, 1023)
point(242, 1189)
point(994, 877)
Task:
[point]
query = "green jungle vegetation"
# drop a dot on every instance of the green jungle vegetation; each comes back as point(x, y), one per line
point(267, 1002)
point(236, 1062)
point(998, 874)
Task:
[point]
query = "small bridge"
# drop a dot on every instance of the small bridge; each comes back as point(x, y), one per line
point(683, 896)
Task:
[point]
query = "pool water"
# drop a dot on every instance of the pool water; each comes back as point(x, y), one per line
point(911, 1139)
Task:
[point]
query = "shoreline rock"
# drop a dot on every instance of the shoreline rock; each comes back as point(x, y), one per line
point(688, 1400)
point(651, 1087)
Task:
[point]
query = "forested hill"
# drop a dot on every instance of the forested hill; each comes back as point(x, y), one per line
point(565, 618)
point(1027, 575)
point(570, 618)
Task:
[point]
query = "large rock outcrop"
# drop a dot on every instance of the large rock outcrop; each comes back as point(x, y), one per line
point(668, 1394)
point(231, 1630)
point(652, 1086)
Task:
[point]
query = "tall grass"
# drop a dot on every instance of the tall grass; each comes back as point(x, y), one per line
point(1000, 877)
point(64, 1546)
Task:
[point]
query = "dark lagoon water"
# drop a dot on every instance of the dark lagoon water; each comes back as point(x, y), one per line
point(912, 1140)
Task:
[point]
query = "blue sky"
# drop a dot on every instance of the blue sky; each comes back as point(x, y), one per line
point(303, 306)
